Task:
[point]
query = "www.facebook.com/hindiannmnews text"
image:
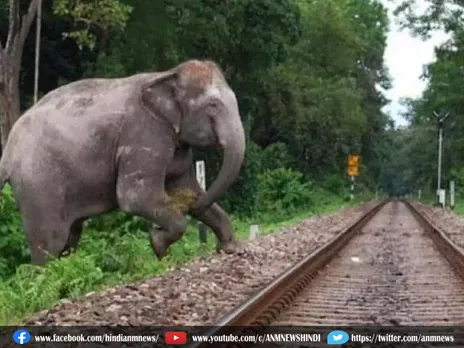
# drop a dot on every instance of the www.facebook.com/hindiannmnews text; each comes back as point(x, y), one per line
point(24, 337)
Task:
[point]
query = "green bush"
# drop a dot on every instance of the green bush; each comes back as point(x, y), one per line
point(276, 155)
point(283, 192)
point(14, 249)
point(337, 183)
point(118, 221)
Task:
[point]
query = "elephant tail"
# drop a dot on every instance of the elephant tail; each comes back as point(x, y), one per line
point(4, 178)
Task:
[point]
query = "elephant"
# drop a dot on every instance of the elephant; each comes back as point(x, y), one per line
point(102, 144)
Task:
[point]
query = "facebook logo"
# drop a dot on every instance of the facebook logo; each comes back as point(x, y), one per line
point(21, 336)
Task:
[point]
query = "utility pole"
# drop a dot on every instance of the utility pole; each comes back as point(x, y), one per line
point(440, 122)
point(37, 50)
point(452, 194)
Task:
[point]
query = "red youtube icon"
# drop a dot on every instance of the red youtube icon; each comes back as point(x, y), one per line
point(175, 337)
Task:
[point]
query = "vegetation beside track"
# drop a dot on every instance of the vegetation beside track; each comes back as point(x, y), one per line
point(114, 249)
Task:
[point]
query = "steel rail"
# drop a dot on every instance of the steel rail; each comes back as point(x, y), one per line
point(260, 310)
point(263, 307)
point(453, 253)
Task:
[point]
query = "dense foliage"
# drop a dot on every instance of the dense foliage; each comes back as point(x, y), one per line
point(417, 145)
point(306, 73)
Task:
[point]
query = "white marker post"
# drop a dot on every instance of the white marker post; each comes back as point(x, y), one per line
point(201, 178)
point(352, 188)
point(452, 194)
point(254, 231)
point(419, 194)
point(441, 194)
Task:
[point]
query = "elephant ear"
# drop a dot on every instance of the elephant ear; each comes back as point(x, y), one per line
point(161, 98)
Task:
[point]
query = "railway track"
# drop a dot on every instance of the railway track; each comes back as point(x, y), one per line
point(391, 267)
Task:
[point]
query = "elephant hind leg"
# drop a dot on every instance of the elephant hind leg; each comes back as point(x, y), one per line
point(48, 236)
point(46, 240)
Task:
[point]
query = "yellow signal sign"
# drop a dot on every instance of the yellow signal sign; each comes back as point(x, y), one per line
point(353, 171)
point(353, 160)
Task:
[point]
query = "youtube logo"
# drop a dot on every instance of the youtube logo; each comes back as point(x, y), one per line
point(175, 337)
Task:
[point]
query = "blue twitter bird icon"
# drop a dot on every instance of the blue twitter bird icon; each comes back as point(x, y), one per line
point(337, 337)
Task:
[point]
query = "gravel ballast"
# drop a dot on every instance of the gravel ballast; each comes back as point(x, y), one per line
point(446, 220)
point(205, 289)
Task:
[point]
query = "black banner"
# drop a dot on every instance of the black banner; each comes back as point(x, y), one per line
point(269, 336)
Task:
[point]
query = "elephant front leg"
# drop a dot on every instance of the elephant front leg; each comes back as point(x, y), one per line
point(151, 202)
point(214, 217)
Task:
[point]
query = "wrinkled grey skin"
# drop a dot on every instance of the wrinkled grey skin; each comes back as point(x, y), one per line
point(96, 145)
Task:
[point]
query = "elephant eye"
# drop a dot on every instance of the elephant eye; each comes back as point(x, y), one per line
point(214, 105)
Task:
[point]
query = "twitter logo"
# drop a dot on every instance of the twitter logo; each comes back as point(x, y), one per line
point(337, 337)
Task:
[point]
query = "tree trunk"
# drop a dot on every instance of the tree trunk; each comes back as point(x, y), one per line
point(9, 97)
point(10, 64)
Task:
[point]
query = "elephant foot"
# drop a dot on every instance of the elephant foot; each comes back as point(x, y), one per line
point(158, 243)
point(232, 247)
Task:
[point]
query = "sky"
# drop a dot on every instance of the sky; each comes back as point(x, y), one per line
point(405, 57)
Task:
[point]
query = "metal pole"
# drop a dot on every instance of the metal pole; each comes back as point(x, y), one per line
point(440, 141)
point(452, 194)
point(440, 121)
point(37, 50)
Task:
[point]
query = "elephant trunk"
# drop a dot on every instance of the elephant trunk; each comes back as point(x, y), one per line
point(231, 137)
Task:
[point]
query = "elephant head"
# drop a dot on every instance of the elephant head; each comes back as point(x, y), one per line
point(195, 99)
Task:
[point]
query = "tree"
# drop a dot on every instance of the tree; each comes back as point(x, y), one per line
point(103, 14)
point(442, 94)
point(10, 64)
point(325, 93)
point(305, 72)
point(447, 15)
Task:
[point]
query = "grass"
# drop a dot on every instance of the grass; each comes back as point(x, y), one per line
point(430, 199)
point(106, 259)
point(459, 209)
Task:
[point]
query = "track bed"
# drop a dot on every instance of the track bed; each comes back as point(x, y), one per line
point(391, 273)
